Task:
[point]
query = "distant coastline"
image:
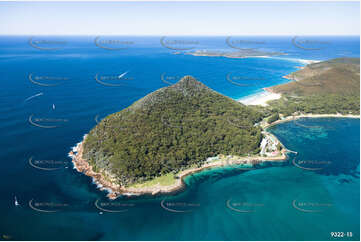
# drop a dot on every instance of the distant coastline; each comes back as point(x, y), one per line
point(247, 53)
point(239, 54)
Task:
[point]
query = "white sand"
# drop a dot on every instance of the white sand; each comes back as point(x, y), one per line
point(306, 62)
point(302, 61)
point(260, 98)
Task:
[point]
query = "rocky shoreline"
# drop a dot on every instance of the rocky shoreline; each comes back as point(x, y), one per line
point(114, 190)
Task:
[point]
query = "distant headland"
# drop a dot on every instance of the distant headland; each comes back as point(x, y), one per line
point(240, 53)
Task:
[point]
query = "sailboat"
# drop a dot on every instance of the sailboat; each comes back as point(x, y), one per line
point(16, 202)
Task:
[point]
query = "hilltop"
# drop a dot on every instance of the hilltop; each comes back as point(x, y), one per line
point(177, 130)
point(169, 130)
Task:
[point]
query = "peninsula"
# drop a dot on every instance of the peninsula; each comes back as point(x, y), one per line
point(322, 89)
point(325, 88)
point(149, 147)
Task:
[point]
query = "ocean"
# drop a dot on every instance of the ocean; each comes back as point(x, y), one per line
point(56, 88)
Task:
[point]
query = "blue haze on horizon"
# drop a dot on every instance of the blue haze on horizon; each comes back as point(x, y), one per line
point(180, 18)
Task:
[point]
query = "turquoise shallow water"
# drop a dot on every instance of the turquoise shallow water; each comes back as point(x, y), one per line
point(219, 204)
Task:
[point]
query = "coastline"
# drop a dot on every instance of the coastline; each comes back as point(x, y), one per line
point(260, 98)
point(295, 117)
point(304, 62)
point(239, 54)
point(106, 181)
point(114, 190)
point(267, 94)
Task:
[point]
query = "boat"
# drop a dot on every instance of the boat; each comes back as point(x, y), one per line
point(122, 75)
point(53, 106)
point(16, 202)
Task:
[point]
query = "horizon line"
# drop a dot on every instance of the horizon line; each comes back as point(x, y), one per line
point(185, 35)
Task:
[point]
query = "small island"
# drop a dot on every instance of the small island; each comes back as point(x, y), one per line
point(149, 147)
point(240, 53)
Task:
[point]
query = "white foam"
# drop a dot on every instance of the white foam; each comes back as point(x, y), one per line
point(129, 194)
point(302, 61)
point(306, 62)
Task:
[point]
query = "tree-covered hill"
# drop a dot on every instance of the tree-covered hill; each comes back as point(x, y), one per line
point(337, 76)
point(326, 87)
point(169, 130)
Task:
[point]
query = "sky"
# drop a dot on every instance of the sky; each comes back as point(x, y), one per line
point(179, 18)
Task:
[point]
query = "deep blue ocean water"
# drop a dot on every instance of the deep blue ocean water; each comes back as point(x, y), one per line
point(58, 88)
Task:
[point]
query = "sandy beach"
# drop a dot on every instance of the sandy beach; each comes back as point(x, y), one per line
point(310, 115)
point(266, 95)
point(260, 98)
point(106, 181)
point(306, 62)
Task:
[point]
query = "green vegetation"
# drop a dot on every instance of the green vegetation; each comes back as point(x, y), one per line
point(178, 127)
point(327, 87)
point(317, 104)
point(164, 180)
point(169, 130)
point(273, 117)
